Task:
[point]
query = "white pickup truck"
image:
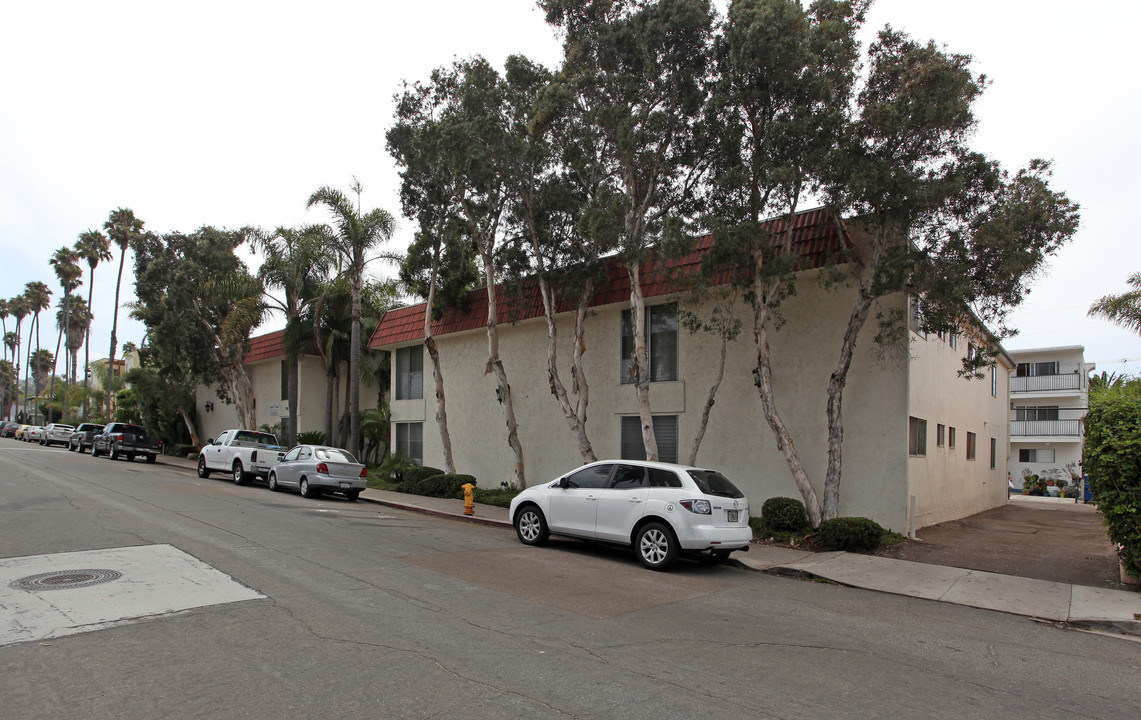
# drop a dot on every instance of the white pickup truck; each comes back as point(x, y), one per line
point(244, 454)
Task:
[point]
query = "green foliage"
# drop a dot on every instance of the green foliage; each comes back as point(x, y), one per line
point(312, 437)
point(853, 534)
point(395, 466)
point(1032, 484)
point(439, 485)
point(420, 472)
point(784, 514)
point(1112, 457)
point(498, 497)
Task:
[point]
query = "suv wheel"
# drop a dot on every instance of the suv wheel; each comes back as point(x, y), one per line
point(656, 546)
point(530, 526)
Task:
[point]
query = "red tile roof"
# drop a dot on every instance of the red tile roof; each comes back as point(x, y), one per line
point(266, 347)
point(814, 237)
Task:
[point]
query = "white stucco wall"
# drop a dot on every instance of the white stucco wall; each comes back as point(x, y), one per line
point(738, 441)
point(947, 485)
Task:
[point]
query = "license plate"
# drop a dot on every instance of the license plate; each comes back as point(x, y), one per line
point(345, 486)
point(732, 515)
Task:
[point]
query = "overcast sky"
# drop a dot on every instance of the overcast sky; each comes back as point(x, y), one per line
point(233, 113)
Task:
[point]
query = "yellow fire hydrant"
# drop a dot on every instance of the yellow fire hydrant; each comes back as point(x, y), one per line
point(469, 499)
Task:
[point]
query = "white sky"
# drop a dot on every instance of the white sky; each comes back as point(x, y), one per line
point(233, 113)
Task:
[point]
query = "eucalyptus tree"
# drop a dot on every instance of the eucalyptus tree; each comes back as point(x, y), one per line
point(65, 262)
point(636, 73)
point(93, 247)
point(122, 228)
point(942, 223)
point(783, 84)
point(38, 296)
point(438, 265)
point(199, 304)
point(295, 264)
point(354, 236)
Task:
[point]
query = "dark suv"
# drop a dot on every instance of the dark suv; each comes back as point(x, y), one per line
point(123, 440)
point(81, 438)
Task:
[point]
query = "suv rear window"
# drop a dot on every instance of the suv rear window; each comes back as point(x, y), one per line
point(131, 429)
point(714, 483)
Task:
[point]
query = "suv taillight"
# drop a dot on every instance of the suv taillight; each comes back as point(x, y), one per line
point(699, 507)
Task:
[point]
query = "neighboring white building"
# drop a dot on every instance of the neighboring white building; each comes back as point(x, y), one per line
point(1049, 397)
point(915, 433)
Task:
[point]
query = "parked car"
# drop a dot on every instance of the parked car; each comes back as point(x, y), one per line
point(125, 440)
point(33, 433)
point(83, 435)
point(242, 453)
point(8, 429)
point(314, 469)
point(659, 509)
point(20, 430)
point(56, 434)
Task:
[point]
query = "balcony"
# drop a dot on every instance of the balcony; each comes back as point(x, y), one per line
point(1046, 383)
point(1045, 428)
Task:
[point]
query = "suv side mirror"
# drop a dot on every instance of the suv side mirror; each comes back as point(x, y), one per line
point(209, 441)
point(564, 483)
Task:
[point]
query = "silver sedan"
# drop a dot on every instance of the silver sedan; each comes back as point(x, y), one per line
point(313, 469)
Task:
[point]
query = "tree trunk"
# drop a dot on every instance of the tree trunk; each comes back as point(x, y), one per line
point(495, 365)
point(437, 374)
point(189, 425)
point(579, 385)
point(836, 385)
point(639, 363)
point(709, 401)
point(291, 391)
point(330, 393)
point(87, 345)
point(114, 335)
point(346, 416)
point(354, 400)
point(575, 420)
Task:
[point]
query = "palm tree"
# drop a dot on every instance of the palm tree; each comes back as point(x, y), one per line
point(65, 262)
point(122, 227)
point(18, 306)
point(78, 322)
point(1123, 309)
point(94, 247)
point(4, 312)
point(297, 264)
point(38, 296)
point(7, 386)
point(353, 236)
point(41, 362)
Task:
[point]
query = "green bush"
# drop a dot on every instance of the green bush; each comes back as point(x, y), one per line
point(784, 514)
point(311, 437)
point(394, 466)
point(1112, 457)
point(180, 450)
point(854, 534)
point(1033, 485)
point(416, 473)
point(440, 485)
point(497, 497)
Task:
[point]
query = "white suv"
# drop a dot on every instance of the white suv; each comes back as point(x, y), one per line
point(659, 509)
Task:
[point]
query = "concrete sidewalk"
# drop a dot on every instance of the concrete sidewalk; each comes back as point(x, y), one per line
point(1116, 611)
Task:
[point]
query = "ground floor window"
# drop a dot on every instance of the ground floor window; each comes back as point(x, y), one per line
point(1035, 455)
point(410, 441)
point(951, 437)
point(916, 436)
point(993, 452)
point(971, 438)
point(665, 431)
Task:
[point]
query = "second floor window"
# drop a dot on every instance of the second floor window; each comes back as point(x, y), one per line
point(661, 343)
point(410, 373)
point(1037, 369)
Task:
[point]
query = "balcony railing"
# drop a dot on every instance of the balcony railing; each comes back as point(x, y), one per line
point(1046, 428)
point(1044, 383)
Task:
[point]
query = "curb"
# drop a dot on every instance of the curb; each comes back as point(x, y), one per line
point(474, 519)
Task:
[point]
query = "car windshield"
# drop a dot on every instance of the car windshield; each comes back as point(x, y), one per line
point(714, 483)
point(334, 455)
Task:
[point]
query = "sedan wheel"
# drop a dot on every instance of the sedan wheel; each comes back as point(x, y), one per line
point(202, 471)
point(273, 482)
point(306, 491)
point(530, 526)
point(352, 495)
point(239, 473)
point(656, 546)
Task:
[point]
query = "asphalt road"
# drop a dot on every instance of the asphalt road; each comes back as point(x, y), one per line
point(375, 613)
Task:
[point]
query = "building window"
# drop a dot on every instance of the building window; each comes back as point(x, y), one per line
point(1035, 369)
point(993, 381)
point(940, 432)
point(665, 431)
point(410, 373)
point(410, 441)
point(916, 437)
point(993, 452)
point(953, 341)
point(951, 437)
point(913, 319)
point(661, 343)
point(1031, 412)
point(1029, 455)
point(970, 445)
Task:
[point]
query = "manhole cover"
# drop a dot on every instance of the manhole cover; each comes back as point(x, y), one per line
point(65, 579)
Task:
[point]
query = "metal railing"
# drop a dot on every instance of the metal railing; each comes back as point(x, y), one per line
point(1043, 428)
point(1042, 383)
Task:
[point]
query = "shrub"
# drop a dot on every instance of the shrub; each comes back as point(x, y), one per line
point(1073, 492)
point(784, 514)
point(181, 450)
point(497, 497)
point(1112, 457)
point(854, 534)
point(1033, 485)
point(311, 437)
point(394, 466)
point(440, 485)
point(416, 473)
